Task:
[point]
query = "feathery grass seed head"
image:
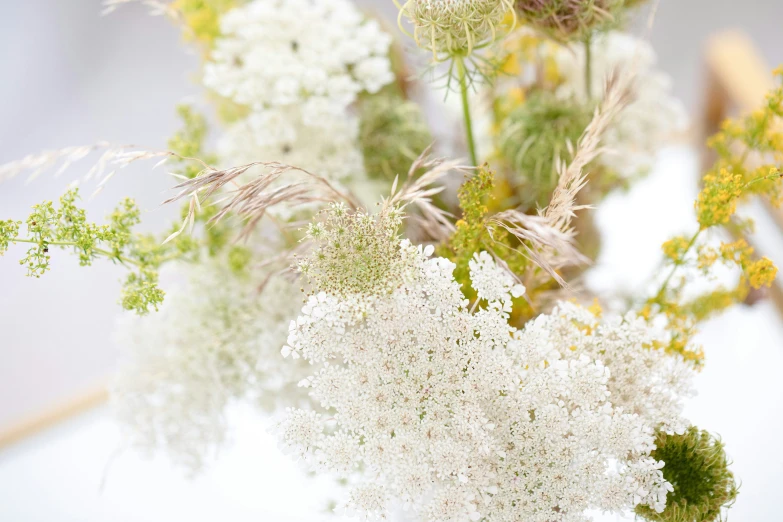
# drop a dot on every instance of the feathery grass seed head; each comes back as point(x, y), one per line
point(535, 135)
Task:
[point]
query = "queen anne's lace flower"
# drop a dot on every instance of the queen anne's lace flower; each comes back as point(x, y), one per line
point(210, 344)
point(282, 134)
point(355, 252)
point(455, 415)
point(491, 282)
point(636, 135)
point(644, 380)
point(319, 54)
point(455, 27)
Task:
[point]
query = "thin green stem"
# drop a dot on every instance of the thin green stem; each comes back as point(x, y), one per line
point(588, 67)
point(106, 253)
point(763, 178)
point(677, 263)
point(463, 87)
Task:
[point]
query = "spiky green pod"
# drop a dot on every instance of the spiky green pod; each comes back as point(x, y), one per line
point(697, 466)
point(531, 139)
point(392, 134)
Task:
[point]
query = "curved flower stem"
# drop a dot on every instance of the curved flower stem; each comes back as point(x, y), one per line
point(677, 263)
point(463, 87)
point(588, 67)
point(100, 251)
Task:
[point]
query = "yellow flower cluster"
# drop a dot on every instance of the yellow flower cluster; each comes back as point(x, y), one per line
point(736, 175)
point(717, 201)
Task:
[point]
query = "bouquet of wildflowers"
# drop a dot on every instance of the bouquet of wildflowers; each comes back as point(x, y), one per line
point(406, 302)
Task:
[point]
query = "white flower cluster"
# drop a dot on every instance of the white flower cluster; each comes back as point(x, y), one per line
point(282, 135)
point(317, 54)
point(492, 283)
point(454, 415)
point(298, 65)
point(216, 339)
point(654, 116)
point(644, 379)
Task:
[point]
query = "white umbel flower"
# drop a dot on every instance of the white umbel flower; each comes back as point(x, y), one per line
point(645, 380)
point(319, 54)
point(329, 149)
point(461, 416)
point(214, 341)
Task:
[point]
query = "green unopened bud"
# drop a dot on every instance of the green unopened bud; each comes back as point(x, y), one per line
point(533, 137)
point(695, 464)
point(392, 134)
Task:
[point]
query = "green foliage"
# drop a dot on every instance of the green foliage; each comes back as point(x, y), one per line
point(188, 142)
point(697, 467)
point(66, 227)
point(533, 137)
point(392, 134)
point(470, 230)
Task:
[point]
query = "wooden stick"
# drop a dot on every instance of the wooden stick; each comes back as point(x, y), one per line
point(57, 413)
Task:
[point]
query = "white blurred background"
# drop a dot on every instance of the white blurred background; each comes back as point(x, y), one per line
point(71, 77)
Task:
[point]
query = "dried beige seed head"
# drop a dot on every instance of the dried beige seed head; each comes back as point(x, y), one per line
point(568, 19)
point(455, 27)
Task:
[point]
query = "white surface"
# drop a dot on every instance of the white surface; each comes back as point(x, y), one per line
point(57, 476)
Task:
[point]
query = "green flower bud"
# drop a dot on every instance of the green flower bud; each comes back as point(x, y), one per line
point(533, 137)
point(392, 134)
point(697, 467)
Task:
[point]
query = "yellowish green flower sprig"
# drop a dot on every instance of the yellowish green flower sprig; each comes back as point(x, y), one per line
point(66, 227)
point(188, 144)
point(731, 180)
point(470, 229)
point(696, 465)
point(202, 17)
point(392, 134)
point(472, 234)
